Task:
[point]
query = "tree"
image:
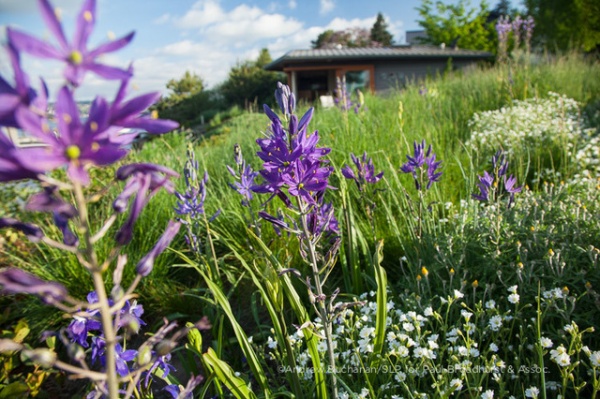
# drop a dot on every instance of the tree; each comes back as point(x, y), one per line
point(457, 24)
point(564, 24)
point(189, 84)
point(351, 37)
point(379, 32)
point(249, 82)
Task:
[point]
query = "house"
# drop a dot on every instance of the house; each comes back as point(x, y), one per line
point(313, 73)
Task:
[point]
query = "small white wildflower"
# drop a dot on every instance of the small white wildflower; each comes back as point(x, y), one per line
point(493, 347)
point(428, 311)
point(491, 304)
point(343, 395)
point(474, 352)
point(495, 322)
point(456, 384)
point(467, 315)
point(532, 392)
point(458, 294)
point(364, 393)
point(489, 394)
point(271, 343)
point(595, 358)
point(400, 376)
point(513, 289)
point(514, 298)
point(546, 342)
point(366, 332)
point(408, 327)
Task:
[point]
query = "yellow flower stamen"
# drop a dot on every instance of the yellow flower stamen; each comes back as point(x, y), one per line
point(154, 114)
point(75, 58)
point(87, 16)
point(67, 118)
point(93, 126)
point(424, 271)
point(300, 186)
point(95, 146)
point(73, 152)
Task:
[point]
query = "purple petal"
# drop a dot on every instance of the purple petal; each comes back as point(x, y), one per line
point(16, 281)
point(33, 232)
point(111, 46)
point(49, 15)
point(32, 45)
point(348, 172)
point(84, 25)
point(152, 125)
point(135, 106)
point(145, 265)
point(67, 116)
point(108, 72)
point(127, 170)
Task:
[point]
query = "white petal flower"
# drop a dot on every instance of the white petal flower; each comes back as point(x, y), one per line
point(532, 392)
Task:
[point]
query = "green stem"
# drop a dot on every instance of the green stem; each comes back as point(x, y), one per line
point(105, 313)
point(321, 308)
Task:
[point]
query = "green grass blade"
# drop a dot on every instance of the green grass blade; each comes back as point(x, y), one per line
point(225, 373)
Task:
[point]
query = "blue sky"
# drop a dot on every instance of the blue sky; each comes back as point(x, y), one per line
point(206, 37)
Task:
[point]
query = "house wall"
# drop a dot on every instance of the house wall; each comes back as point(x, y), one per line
point(397, 74)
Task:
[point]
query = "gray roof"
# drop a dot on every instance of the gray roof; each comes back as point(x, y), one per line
point(363, 54)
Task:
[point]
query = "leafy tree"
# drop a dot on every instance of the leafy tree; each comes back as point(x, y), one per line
point(564, 24)
point(379, 32)
point(457, 24)
point(248, 82)
point(351, 37)
point(189, 84)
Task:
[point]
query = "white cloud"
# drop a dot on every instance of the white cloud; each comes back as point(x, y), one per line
point(326, 6)
point(202, 13)
point(163, 19)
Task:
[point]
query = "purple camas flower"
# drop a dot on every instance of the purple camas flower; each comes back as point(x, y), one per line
point(365, 171)
point(415, 164)
point(17, 281)
point(130, 113)
point(78, 144)
point(285, 99)
point(516, 29)
point(245, 182)
point(485, 185)
point(528, 26)
point(22, 96)
point(144, 181)
point(76, 55)
point(489, 189)
point(15, 163)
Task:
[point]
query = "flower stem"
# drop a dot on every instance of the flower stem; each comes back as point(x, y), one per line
point(320, 302)
point(105, 313)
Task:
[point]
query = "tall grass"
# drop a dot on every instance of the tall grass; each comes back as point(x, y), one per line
point(441, 117)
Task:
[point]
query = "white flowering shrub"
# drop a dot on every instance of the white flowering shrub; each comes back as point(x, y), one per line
point(453, 346)
point(549, 131)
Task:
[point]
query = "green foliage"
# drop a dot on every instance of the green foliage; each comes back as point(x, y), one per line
point(457, 24)
point(248, 83)
point(379, 32)
point(566, 24)
point(19, 378)
point(188, 85)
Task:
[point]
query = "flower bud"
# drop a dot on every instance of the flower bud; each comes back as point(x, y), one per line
point(44, 357)
point(164, 348)
point(144, 356)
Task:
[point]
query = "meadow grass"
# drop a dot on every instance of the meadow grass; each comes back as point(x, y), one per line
point(546, 241)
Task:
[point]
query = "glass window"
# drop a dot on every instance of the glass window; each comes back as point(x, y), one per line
point(358, 80)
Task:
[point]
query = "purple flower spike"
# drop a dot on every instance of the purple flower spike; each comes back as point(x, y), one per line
point(147, 263)
point(78, 58)
point(485, 185)
point(285, 99)
point(33, 232)
point(17, 281)
point(365, 171)
point(418, 160)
